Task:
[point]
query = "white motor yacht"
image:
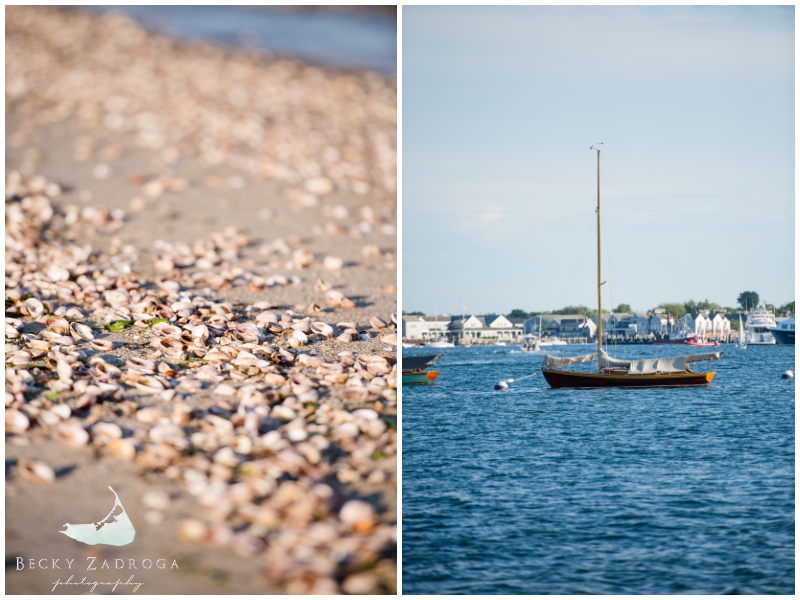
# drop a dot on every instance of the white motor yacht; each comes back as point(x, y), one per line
point(784, 332)
point(759, 323)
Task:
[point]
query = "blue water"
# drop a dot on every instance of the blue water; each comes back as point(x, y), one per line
point(544, 491)
point(345, 39)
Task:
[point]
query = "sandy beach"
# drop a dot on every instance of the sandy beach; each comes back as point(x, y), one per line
point(200, 311)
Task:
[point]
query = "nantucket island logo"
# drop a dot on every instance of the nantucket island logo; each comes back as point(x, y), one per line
point(118, 532)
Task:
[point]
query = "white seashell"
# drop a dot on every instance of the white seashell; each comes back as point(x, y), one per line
point(149, 384)
point(321, 328)
point(389, 338)
point(266, 317)
point(378, 323)
point(11, 332)
point(80, 331)
point(333, 263)
point(141, 364)
point(102, 345)
point(334, 298)
point(36, 471)
point(358, 515)
point(64, 370)
point(72, 433)
point(149, 414)
point(303, 325)
point(16, 421)
point(122, 448)
point(34, 307)
point(167, 330)
point(300, 336)
point(57, 325)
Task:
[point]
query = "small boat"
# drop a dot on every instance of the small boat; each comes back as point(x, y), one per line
point(441, 344)
point(414, 368)
point(742, 338)
point(654, 372)
point(676, 340)
point(702, 343)
point(558, 342)
point(499, 344)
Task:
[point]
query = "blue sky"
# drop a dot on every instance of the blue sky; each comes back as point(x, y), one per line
point(695, 106)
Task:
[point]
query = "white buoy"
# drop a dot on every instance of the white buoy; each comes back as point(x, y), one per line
point(501, 385)
point(787, 375)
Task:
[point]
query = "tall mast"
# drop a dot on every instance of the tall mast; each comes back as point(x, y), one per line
point(599, 279)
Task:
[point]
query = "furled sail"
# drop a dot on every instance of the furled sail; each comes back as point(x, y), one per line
point(670, 364)
point(557, 361)
point(604, 361)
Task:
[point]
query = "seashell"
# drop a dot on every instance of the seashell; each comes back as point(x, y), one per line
point(16, 421)
point(64, 370)
point(313, 309)
point(57, 325)
point(322, 286)
point(332, 263)
point(149, 414)
point(334, 298)
point(343, 326)
point(285, 356)
point(105, 369)
point(357, 515)
point(304, 325)
point(378, 323)
point(389, 338)
point(156, 499)
point(361, 584)
point(39, 345)
point(11, 332)
point(34, 307)
point(49, 335)
point(300, 336)
point(347, 303)
point(36, 471)
point(167, 330)
point(80, 331)
point(394, 318)
point(72, 433)
point(345, 337)
point(321, 328)
point(63, 340)
point(266, 317)
point(106, 431)
point(122, 448)
point(200, 332)
point(364, 335)
point(192, 530)
point(274, 328)
point(149, 384)
point(74, 313)
point(170, 346)
point(141, 364)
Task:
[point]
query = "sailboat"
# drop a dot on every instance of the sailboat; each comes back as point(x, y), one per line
point(655, 372)
point(742, 338)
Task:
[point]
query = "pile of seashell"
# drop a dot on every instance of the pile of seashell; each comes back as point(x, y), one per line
point(317, 129)
point(268, 416)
